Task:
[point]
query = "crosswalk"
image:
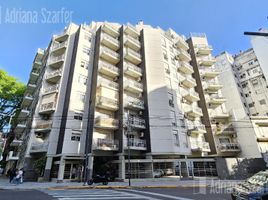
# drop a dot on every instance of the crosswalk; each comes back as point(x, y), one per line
point(91, 194)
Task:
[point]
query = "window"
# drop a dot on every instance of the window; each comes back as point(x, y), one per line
point(87, 37)
point(84, 64)
point(75, 136)
point(176, 137)
point(165, 55)
point(82, 79)
point(262, 102)
point(244, 85)
point(251, 105)
point(81, 96)
point(241, 94)
point(246, 95)
point(78, 116)
point(86, 50)
point(254, 82)
point(250, 63)
point(255, 71)
point(170, 99)
point(224, 140)
point(173, 118)
point(171, 48)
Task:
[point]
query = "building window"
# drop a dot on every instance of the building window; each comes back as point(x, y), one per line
point(170, 99)
point(165, 55)
point(246, 95)
point(78, 116)
point(173, 118)
point(224, 140)
point(262, 102)
point(86, 50)
point(254, 82)
point(82, 79)
point(255, 71)
point(75, 136)
point(81, 96)
point(244, 85)
point(250, 63)
point(87, 37)
point(176, 137)
point(84, 64)
point(251, 105)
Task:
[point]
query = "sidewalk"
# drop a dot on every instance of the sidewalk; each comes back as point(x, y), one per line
point(135, 183)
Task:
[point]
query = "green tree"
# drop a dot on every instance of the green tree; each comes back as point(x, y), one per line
point(11, 95)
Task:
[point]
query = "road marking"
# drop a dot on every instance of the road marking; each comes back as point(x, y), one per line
point(158, 194)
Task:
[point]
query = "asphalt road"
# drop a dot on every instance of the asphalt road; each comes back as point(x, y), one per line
point(122, 194)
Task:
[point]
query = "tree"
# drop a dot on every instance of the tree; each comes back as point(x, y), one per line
point(11, 95)
point(39, 165)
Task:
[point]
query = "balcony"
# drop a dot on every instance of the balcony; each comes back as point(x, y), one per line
point(136, 122)
point(110, 42)
point(47, 108)
point(16, 143)
point(107, 103)
point(110, 30)
point(203, 49)
point(197, 129)
point(12, 156)
point(106, 123)
point(191, 96)
point(54, 76)
point(193, 111)
point(136, 144)
point(132, 43)
point(207, 61)
point(27, 100)
point(108, 69)
point(188, 82)
point(25, 112)
point(132, 56)
point(51, 89)
point(59, 48)
point(61, 37)
point(102, 82)
point(56, 62)
point(223, 130)
point(130, 30)
point(229, 147)
point(220, 116)
point(39, 147)
point(109, 55)
point(182, 44)
point(34, 76)
point(31, 88)
point(105, 144)
point(183, 56)
point(132, 70)
point(43, 126)
point(209, 74)
point(200, 147)
point(217, 100)
point(133, 103)
point(262, 139)
point(133, 86)
point(21, 126)
point(212, 87)
point(185, 67)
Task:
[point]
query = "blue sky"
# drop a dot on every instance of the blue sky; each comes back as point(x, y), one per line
point(224, 22)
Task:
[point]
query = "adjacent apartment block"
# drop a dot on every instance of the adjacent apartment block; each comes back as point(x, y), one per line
point(97, 86)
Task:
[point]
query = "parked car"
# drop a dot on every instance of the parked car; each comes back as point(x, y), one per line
point(158, 173)
point(168, 172)
point(255, 187)
point(98, 179)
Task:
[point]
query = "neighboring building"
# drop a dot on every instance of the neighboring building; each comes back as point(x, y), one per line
point(103, 82)
point(250, 130)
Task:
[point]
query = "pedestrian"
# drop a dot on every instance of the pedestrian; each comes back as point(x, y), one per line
point(21, 173)
point(79, 173)
point(11, 173)
point(1, 170)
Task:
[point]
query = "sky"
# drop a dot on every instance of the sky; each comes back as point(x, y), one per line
point(223, 21)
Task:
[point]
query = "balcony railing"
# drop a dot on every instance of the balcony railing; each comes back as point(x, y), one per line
point(132, 43)
point(56, 61)
point(135, 143)
point(107, 83)
point(132, 70)
point(183, 55)
point(47, 107)
point(106, 123)
point(137, 122)
point(229, 147)
point(203, 49)
point(51, 89)
point(181, 43)
point(185, 67)
point(54, 75)
point(105, 144)
point(131, 30)
point(39, 147)
point(134, 102)
point(133, 56)
point(43, 126)
point(133, 86)
point(109, 29)
point(110, 41)
point(109, 55)
point(59, 45)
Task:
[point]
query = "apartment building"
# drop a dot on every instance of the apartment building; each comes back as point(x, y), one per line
point(250, 130)
point(102, 84)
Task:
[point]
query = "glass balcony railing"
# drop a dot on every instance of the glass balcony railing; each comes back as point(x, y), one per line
point(51, 89)
point(105, 144)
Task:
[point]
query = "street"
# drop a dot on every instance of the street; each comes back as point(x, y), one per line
point(181, 193)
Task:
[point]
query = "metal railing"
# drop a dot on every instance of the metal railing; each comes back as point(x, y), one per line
point(57, 45)
point(136, 121)
point(135, 102)
point(51, 89)
point(229, 147)
point(43, 124)
point(39, 146)
point(105, 144)
point(132, 83)
point(135, 142)
point(53, 59)
point(47, 106)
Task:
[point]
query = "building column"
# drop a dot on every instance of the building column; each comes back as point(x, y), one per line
point(122, 167)
point(48, 168)
point(89, 167)
point(61, 170)
point(150, 166)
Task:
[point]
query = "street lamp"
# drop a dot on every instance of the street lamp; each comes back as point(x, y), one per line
point(128, 130)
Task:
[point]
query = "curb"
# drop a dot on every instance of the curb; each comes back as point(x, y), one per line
point(122, 187)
